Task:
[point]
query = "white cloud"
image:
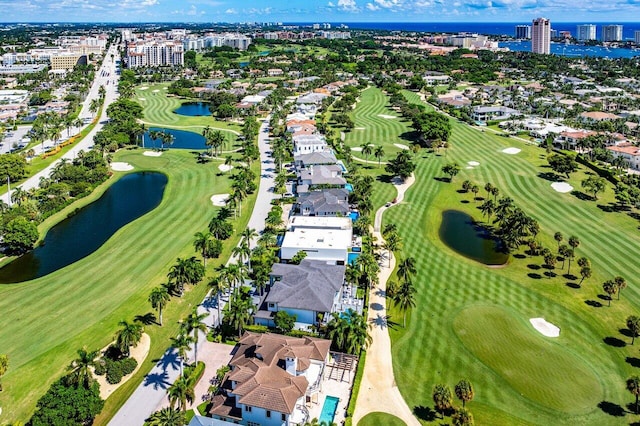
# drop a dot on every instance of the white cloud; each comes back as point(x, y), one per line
point(372, 7)
point(231, 11)
point(348, 5)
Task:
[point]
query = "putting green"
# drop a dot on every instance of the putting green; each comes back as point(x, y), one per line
point(539, 368)
point(380, 419)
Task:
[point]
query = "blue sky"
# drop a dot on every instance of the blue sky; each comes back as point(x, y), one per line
point(317, 10)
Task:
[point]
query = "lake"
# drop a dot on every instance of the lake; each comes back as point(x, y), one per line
point(462, 234)
point(183, 139)
point(193, 109)
point(83, 233)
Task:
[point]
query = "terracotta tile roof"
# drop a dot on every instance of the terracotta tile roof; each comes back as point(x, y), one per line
point(625, 149)
point(599, 115)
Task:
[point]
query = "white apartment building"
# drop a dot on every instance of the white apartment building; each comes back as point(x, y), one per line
point(155, 54)
point(541, 36)
point(335, 35)
point(612, 33)
point(523, 32)
point(636, 37)
point(585, 32)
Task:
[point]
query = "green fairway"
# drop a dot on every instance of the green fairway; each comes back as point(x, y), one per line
point(591, 345)
point(375, 124)
point(380, 419)
point(44, 321)
point(159, 107)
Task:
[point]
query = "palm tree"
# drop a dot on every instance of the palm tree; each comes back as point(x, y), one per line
point(94, 106)
point(488, 208)
point(4, 365)
point(248, 234)
point(610, 288)
point(203, 244)
point(406, 269)
point(367, 150)
point(621, 284)
point(80, 368)
point(217, 286)
point(181, 343)
point(181, 392)
point(464, 391)
point(378, 152)
point(403, 298)
point(585, 272)
point(238, 311)
point(167, 417)
point(488, 187)
point(194, 323)
point(159, 297)
point(349, 331)
point(633, 324)
point(129, 335)
point(558, 237)
point(167, 138)
point(242, 252)
point(186, 271)
point(475, 189)
point(392, 243)
point(462, 417)
point(442, 398)
point(633, 386)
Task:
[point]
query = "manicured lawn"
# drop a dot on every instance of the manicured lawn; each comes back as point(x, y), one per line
point(473, 321)
point(46, 320)
point(374, 125)
point(159, 107)
point(380, 419)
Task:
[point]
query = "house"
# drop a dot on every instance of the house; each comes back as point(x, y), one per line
point(629, 152)
point(271, 378)
point(327, 202)
point(310, 291)
point(311, 98)
point(307, 144)
point(329, 175)
point(488, 113)
point(274, 72)
point(571, 139)
point(323, 238)
point(595, 116)
point(304, 161)
point(436, 78)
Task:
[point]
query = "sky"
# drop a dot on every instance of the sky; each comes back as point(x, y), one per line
point(317, 10)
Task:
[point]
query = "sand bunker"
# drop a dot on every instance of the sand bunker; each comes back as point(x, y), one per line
point(144, 88)
point(219, 200)
point(141, 99)
point(388, 117)
point(152, 153)
point(401, 146)
point(121, 167)
point(545, 328)
point(224, 167)
point(562, 187)
point(155, 91)
point(469, 167)
point(359, 128)
point(356, 148)
point(473, 163)
point(511, 151)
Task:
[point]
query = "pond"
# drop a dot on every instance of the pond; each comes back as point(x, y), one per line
point(193, 109)
point(83, 233)
point(462, 234)
point(183, 139)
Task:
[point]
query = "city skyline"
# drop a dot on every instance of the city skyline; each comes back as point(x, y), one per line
point(316, 10)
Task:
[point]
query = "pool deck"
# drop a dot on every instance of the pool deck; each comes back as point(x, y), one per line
point(336, 386)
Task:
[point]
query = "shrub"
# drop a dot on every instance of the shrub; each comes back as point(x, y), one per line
point(128, 365)
point(101, 368)
point(114, 372)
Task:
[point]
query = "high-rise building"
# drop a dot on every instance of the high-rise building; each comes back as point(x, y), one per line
point(541, 36)
point(612, 33)
point(523, 32)
point(636, 37)
point(586, 32)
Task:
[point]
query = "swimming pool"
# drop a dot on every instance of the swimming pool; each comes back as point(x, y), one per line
point(329, 409)
point(352, 257)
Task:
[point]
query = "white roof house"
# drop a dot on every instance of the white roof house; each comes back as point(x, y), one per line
point(322, 238)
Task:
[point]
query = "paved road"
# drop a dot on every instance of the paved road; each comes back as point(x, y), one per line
point(151, 393)
point(110, 96)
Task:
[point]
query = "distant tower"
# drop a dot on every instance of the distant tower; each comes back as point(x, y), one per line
point(586, 32)
point(523, 32)
point(636, 36)
point(541, 36)
point(612, 33)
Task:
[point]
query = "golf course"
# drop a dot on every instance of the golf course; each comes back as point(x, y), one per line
point(472, 321)
point(44, 321)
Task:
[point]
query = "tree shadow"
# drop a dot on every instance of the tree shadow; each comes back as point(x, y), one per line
point(612, 208)
point(410, 136)
point(612, 409)
point(604, 297)
point(383, 322)
point(550, 176)
point(462, 191)
point(464, 201)
point(534, 275)
point(634, 215)
point(427, 414)
point(631, 407)
point(146, 319)
point(626, 332)
point(442, 179)
point(376, 306)
point(572, 285)
point(593, 303)
point(633, 361)
point(157, 380)
point(615, 342)
point(519, 256)
point(582, 196)
point(570, 277)
point(533, 266)
point(384, 178)
point(550, 274)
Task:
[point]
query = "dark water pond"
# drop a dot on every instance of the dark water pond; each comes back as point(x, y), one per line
point(183, 139)
point(461, 233)
point(83, 233)
point(193, 109)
